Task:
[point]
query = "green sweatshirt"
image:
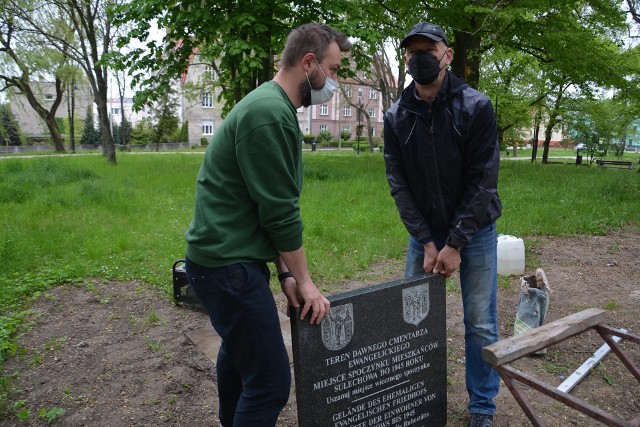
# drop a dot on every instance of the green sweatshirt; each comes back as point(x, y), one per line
point(248, 188)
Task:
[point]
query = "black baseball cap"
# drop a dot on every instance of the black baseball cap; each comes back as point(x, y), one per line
point(426, 29)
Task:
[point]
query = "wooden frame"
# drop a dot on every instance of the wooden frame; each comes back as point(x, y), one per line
point(500, 354)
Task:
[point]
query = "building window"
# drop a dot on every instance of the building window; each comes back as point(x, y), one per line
point(347, 110)
point(208, 71)
point(359, 92)
point(324, 110)
point(207, 100)
point(115, 111)
point(347, 91)
point(372, 112)
point(373, 131)
point(346, 128)
point(373, 94)
point(48, 97)
point(207, 127)
point(323, 128)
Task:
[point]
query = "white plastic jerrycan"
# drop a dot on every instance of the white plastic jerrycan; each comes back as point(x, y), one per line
point(510, 255)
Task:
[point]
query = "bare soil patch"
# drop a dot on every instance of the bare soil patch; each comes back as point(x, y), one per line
point(115, 354)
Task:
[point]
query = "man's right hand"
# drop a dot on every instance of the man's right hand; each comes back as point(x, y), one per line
point(430, 257)
point(313, 300)
point(306, 291)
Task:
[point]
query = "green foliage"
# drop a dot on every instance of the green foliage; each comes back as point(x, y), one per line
point(142, 133)
point(204, 141)
point(242, 37)
point(167, 121)
point(308, 139)
point(50, 415)
point(345, 135)
point(590, 201)
point(324, 136)
point(9, 128)
point(184, 132)
point(365, 145)
point(122, 133)
point(90, 135)
point(62, 124)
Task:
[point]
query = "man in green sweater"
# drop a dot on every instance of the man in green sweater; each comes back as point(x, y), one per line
point(247, 214)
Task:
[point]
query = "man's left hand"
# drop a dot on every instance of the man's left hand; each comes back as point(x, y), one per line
point(448, 261)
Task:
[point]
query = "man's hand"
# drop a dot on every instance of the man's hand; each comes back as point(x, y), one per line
point(313, 300)
point(447, 262)
point(307, 294)
point(290, 290)
point(430, 257)
point(300, 289)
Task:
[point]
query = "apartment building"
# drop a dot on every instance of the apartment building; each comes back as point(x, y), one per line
point(341, 112)
point(117, 109)
point(198, 103)
point(199, 107)
point(32, 125)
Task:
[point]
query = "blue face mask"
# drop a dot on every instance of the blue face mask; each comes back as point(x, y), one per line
point(320, 96)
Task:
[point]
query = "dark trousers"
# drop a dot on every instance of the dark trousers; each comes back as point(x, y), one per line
point(253, 373)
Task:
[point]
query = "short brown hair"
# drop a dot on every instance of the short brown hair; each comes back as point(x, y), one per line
point(314, 38)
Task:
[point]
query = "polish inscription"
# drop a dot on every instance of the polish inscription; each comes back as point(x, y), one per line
point(392, 372)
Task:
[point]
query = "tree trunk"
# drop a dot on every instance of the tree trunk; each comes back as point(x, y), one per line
point(48, 116)
point(56, 135)
point(466, 59)
point(72, 118)
point(547, 140)
point(369, 135)
point(536, 137)
point(108, 148)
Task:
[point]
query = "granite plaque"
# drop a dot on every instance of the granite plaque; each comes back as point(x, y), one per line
point(378, 359)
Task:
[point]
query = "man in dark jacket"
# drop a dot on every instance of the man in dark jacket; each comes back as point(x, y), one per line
point(442, 155)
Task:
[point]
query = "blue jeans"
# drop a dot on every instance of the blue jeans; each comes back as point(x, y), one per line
point(253, 373)
point(479, 282)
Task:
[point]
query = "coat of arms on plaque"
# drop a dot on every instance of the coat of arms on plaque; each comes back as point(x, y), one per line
point(337, 328)
point(415, 304)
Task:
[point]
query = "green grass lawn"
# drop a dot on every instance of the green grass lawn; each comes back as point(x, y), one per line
point(68, 219)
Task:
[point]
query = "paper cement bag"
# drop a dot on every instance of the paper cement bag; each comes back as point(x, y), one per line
point(533, 303)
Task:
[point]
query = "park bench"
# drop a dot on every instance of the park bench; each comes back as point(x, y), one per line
point(502, 353)
point(622, 163)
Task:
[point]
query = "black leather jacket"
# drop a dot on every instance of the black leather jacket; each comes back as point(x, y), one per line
point(442, 162)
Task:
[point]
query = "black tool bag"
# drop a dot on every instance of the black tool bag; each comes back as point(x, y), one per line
point(183, 294)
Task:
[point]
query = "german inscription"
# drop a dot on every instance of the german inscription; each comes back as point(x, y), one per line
point(378, 359)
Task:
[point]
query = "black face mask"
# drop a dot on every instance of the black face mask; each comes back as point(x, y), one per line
point(424, 67)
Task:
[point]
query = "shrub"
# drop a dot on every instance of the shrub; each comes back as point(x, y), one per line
point(345, 135)
point(325, 136)
point(141, 133)
point(204, 141)
point(184, 132)
point(308, 139)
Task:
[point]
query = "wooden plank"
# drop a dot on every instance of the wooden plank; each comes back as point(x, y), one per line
point(536, 339)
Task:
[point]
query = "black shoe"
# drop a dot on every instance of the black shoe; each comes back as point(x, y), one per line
point(481, 420)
